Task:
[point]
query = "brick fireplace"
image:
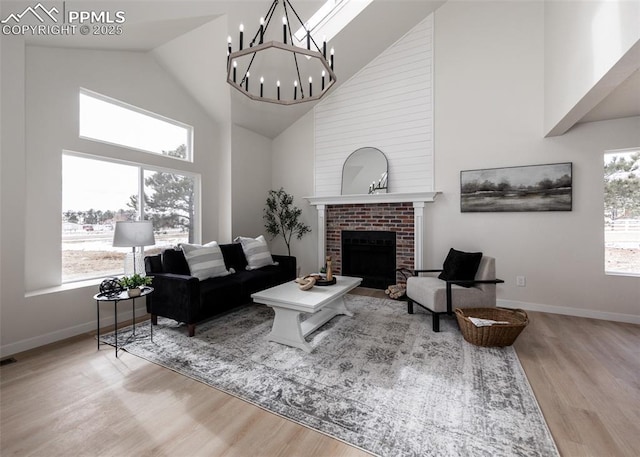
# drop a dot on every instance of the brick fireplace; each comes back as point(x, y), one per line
point(402, 214)
point(397, 218)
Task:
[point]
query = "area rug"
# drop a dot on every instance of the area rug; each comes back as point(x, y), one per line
point(380, 380)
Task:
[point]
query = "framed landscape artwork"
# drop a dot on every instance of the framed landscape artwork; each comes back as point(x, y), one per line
point(527, 188)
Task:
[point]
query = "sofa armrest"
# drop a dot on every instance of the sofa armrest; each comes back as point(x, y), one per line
point(288, 263)
point(175, 296)
point(465, 283)
point(471, 282)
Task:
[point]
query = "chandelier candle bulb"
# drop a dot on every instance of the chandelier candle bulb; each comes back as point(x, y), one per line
point(235, 67)
point(284, 29)
point(278, 87)
point(332, 52)
point(323, 73)
point(324, 47)
point(229, 50)
point(261, 86)
point(261, 30)
point(241, 35)
point(310, 86)
point(246, 82)
point(308, 40)
point(295, 89)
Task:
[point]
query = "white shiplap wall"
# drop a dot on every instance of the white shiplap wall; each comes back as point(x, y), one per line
point(387, 105)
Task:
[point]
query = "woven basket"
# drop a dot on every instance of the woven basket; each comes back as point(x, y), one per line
point(495, 335)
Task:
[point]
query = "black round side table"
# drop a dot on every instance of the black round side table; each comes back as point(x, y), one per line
point(122, 296)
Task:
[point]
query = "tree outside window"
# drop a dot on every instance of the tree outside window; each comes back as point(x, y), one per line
point(97, 193)
point(622, 212)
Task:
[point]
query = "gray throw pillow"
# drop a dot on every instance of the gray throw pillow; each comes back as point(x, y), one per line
point(205, 261)
point(256, 251)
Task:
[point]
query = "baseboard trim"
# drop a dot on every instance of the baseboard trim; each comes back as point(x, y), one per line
point(69, 332)
point(41, 340)
point(567, 311)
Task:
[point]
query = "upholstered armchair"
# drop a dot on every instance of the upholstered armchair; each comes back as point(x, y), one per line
point(467, 280)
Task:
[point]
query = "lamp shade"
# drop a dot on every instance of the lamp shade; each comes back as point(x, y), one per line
point(133, 233)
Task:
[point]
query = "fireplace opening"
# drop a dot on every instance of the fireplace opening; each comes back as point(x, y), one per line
point(370, 255)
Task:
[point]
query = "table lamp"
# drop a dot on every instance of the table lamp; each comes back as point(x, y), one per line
point(130, 234)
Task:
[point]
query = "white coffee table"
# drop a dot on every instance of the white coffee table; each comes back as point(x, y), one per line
point(289, 302)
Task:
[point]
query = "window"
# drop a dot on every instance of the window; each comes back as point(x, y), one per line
point(330, 19)
point(622, 212)
point(107, 120)
point(98, 192)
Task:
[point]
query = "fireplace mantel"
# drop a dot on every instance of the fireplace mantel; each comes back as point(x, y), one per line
point(418, 199)
point(370, 199)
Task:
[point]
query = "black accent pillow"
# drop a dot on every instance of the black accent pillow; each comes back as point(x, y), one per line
point(460, 266)
point(173, 261)
point(234, 256)
point(153, 264)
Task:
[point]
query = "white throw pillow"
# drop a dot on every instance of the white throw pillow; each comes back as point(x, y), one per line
point(205, 261)
point(256, 251)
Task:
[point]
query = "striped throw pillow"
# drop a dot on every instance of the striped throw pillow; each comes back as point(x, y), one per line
point(205, 261)
point(256, 251)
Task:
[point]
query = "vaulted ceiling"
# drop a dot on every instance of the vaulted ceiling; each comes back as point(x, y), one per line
point(154, 25)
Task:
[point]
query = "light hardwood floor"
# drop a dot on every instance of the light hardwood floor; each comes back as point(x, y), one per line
point(69, 399)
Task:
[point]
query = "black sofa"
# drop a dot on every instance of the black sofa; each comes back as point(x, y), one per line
point(184, 298)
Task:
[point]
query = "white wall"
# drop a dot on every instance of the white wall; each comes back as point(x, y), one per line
point(31, 203)
point(292, 169)
point(387, 105)
point(490, 92)
point(489, 112)
point(583, 41)
point(12, 188)
point(196, 60)
point(250, 180)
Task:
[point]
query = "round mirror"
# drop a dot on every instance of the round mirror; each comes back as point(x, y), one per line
point(365, 172)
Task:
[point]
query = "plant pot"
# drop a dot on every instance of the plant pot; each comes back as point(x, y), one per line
point(135, 292)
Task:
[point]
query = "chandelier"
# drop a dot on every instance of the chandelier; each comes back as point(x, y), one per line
point(284, 72)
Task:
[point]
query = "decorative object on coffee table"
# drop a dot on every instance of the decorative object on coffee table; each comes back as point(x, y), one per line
point(509, 323)
point(306, 282)
point(321, 279)
point(329, 269)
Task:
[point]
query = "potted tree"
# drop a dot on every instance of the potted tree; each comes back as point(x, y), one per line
point(282, 218)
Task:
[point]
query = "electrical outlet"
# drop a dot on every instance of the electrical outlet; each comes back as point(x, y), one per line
point(521, 281)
